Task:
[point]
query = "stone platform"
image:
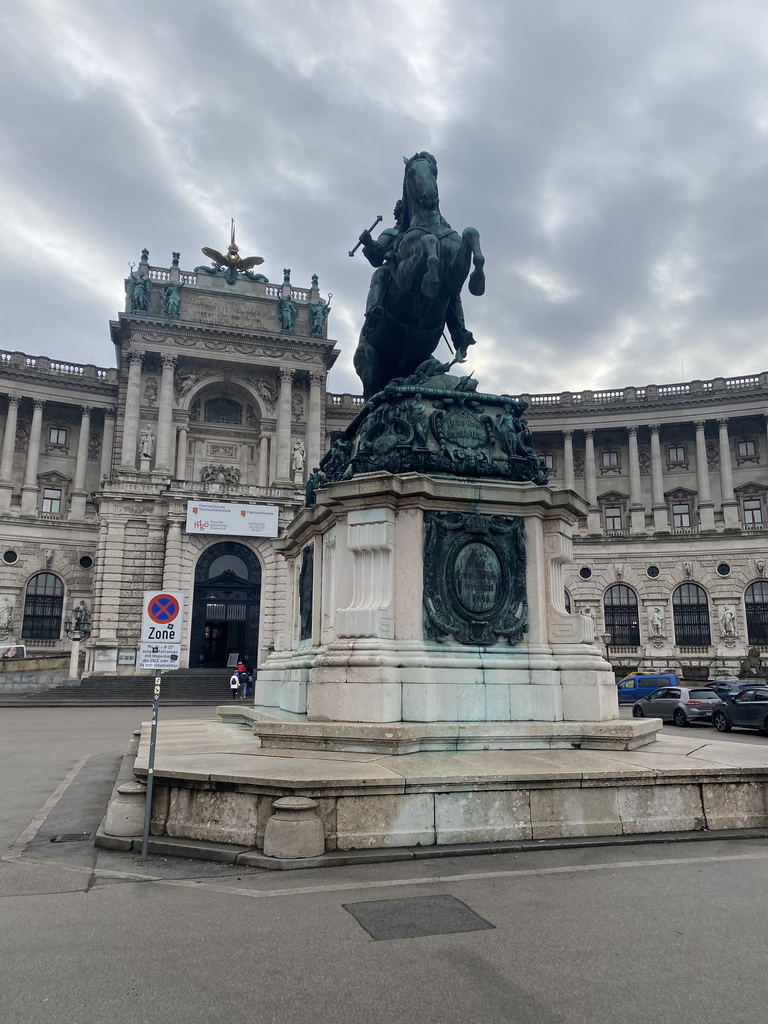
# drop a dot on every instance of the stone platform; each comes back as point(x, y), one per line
point(214, 781)
point(282, 729)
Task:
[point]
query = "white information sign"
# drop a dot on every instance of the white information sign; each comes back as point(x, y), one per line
point(162, 617)
point(234, 520)
point(159, 656)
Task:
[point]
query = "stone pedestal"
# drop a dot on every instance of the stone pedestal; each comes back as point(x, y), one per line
point(437, 600)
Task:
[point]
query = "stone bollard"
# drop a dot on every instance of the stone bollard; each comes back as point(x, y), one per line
point(125, 815)
point(133, 746)
point(295, 829)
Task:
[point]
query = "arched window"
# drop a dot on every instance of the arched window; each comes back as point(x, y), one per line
point(42, 607)
point(621, 619)
point(756, 601)
point(223, 410)
point(690, 610)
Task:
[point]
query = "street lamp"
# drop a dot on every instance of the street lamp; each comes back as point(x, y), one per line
point(76, 632)
point(606, 638)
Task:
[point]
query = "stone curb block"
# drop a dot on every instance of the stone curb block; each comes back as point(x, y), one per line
point(250, 857)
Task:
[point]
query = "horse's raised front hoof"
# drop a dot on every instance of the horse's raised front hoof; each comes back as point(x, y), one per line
point(477, 281)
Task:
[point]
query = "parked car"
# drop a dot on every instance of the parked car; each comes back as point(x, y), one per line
point(747, 710)
point(633, 687)
point(679, 704)
point(727, 689)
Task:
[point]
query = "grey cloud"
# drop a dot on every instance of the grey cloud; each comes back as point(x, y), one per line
point(613, 153)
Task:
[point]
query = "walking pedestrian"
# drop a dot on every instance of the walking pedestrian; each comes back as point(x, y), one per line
point(234, 684)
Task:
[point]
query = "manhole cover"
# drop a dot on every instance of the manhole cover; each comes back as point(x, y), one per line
point(72, 837)
point(415, 916)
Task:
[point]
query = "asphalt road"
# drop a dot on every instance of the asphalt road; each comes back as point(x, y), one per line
point(670, 934)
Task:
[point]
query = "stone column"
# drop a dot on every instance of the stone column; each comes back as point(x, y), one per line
point(29, 492)
point(172, 560)
point(706, 505)
point(107, 444)
point(181, 452)
point(590, 475)
point(284, 429)
point(594, 525)
point(163, 459)
point(263, 469)
point(730, 505)
point(314, 420)
point(113, 570)
point(660, 511)
point(77, 509)
point(9, 446)
point(636, 507)
point(568, 474)
point(132, 404)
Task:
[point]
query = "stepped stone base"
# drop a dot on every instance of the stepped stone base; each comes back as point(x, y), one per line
point(214, 782)
point(296, 732)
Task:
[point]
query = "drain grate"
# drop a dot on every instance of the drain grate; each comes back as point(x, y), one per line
point(416, 916)
point(72, 837)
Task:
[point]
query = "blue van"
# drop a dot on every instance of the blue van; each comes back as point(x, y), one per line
point(632, 688)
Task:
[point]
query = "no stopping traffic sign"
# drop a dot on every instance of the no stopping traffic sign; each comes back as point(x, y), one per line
point(163, 613)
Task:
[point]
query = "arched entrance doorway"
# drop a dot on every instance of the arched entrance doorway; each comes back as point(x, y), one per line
point(225, 610)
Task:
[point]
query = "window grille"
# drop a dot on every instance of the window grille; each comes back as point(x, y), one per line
point(621, 619)
point(42, 607)
point(223, 410)
point(756, 602)
point(690, 611)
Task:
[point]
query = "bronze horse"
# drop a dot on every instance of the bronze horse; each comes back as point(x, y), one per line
point(415, 295)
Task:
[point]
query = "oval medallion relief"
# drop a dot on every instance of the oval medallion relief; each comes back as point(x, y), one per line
point(477, 575)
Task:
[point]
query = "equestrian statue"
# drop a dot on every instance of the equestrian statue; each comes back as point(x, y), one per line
point(415, 293)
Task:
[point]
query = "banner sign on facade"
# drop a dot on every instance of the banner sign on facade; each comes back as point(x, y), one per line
point(225, 517)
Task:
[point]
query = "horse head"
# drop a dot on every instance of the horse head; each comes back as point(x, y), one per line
point(419, 185)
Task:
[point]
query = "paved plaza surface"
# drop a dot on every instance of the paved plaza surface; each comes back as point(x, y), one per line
point(653, 933)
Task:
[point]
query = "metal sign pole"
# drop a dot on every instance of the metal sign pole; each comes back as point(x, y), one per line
point(150, 769)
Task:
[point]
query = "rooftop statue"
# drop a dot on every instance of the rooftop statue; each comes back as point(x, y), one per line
point(422, 264)
point(231, 264)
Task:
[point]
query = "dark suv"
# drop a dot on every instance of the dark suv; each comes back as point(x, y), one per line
point(727, 690)
point(746, 710)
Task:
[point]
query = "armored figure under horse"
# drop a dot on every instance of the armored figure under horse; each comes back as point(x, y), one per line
point(415, 292)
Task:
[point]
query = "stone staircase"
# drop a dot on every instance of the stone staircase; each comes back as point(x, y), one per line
point(183, 686)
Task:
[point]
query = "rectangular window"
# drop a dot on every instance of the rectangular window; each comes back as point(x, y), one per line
point(57, 435)
point(676, 453)
point(549, 461)
point(746, 449)
point(51, 501)
point(610, 460)
point(613, 519)
point(681, 517)
point(753, 511)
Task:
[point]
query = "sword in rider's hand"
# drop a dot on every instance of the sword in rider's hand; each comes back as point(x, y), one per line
point(370, 229)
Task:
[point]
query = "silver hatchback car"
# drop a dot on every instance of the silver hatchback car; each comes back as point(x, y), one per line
point(679, 704)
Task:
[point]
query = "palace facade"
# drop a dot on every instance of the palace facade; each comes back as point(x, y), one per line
point(218, 394)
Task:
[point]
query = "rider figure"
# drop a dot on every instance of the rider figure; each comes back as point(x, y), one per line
point(380, 253)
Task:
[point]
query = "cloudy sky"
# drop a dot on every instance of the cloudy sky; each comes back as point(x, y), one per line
point(613, 155)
